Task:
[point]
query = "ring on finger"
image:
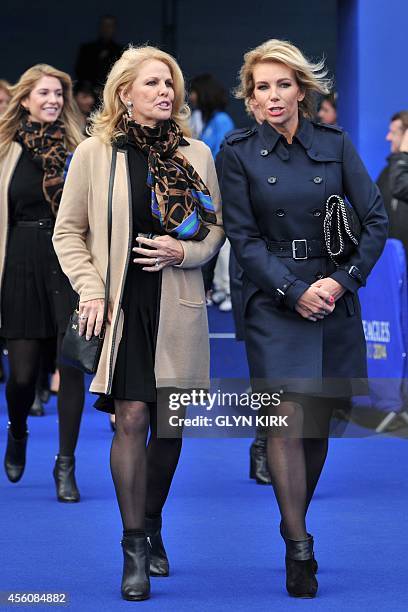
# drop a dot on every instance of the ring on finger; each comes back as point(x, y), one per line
point(84, 317)
point(157, 262)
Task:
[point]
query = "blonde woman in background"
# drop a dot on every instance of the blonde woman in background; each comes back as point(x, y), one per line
point(38, 133)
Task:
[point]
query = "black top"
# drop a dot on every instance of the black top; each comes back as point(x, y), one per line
point(36, 297)
point(26, 197)
point(134, 377)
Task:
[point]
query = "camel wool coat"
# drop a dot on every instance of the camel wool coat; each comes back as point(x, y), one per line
point(80, 241)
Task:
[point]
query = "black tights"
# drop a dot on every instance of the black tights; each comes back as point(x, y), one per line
point(24, 361)
point(296, 462)
point(142, 475)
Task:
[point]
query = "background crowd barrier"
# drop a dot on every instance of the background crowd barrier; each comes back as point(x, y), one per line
point(384, 304)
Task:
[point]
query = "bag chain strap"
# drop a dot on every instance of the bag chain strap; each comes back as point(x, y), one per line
point(336, 209)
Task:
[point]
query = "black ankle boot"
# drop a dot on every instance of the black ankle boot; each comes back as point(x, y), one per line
point(15, 457)
point(64, 476)
point(309, 535)
point(37, 409)
point(300, 577)
point(159, 563)
point(135, 579)
point(258, 462)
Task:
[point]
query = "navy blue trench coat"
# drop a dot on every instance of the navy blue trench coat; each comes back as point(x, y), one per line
point(274, 193)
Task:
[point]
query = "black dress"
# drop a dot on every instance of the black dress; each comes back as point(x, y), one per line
point(36, 297)
point(134, 377)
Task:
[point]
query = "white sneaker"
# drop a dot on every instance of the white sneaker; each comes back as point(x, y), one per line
point(208, 298)
point(218, 296)
point(226, 305)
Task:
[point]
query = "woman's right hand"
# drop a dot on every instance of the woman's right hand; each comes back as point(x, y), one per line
point(91, 317)
point(315, 304)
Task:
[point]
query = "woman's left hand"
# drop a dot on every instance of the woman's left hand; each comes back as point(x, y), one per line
point(163, 251)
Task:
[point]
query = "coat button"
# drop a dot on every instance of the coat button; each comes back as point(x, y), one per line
point(317, 212)
point(319, 276)
point(280, 212)
point(317, 180)
point(264, 152)
point(272, 180)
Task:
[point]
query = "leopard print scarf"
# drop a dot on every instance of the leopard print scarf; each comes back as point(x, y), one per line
point(45, 142)
point(180, 200)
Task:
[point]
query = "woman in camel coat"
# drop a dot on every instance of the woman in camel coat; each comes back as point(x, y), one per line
point(165, 187)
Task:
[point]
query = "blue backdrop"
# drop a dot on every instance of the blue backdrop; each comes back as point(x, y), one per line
point(384, 311)
point(371, 72)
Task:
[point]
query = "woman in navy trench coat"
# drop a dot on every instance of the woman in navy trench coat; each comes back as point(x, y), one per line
point(303, 328)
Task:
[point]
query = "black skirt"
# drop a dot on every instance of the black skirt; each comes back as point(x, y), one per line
point(36, 297)
point(134, 377)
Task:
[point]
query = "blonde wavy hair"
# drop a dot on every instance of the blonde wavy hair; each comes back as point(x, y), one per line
point(104, 122)
point(11, 118)
point(5, 86)
point(311, 77)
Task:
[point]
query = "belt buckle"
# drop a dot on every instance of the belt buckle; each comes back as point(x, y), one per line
point(294, 248)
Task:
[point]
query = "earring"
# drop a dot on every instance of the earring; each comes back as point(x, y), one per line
point(129, 109)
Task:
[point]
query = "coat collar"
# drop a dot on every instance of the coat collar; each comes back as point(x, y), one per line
point(271, 137)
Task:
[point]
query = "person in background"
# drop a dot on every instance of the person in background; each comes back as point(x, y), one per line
point(38, 133)
point(96, 58)
point(258, 470)
point(327, 112)
point(4, 95)
point(4, 100)
point(399, 172)
point(85, 98)
point(396, 208)
point(209, 98)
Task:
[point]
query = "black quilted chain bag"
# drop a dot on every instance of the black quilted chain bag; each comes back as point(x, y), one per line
point(76, 350)
point(342, 229)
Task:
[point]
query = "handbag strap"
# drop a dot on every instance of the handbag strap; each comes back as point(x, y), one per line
point(110, 196)
point(335, 219)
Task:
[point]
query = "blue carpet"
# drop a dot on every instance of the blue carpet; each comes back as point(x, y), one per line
point(220, 529)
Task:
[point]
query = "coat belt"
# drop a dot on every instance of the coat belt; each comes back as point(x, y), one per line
point(301, 248)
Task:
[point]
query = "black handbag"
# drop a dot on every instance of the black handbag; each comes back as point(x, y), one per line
point(76, 350)
point(342, 229)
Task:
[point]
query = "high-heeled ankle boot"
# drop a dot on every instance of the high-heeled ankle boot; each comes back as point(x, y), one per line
point(300, 577)
point(309, 535)
point(15, 457)
point(64, 476)
point(159, 563)
point(135, 579)
point(258, 461)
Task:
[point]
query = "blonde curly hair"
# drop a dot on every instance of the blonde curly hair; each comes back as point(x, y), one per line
point(311, 77)
point(104, 122)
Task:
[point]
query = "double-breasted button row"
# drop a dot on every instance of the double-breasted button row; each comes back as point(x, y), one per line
point(272, 180)
point(316, 212)
point(280, 212)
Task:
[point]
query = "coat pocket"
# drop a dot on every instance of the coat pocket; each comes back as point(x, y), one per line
point(191, 304)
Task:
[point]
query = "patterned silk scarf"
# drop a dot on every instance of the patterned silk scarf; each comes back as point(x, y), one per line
point(46, 144)
point(180, 200)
